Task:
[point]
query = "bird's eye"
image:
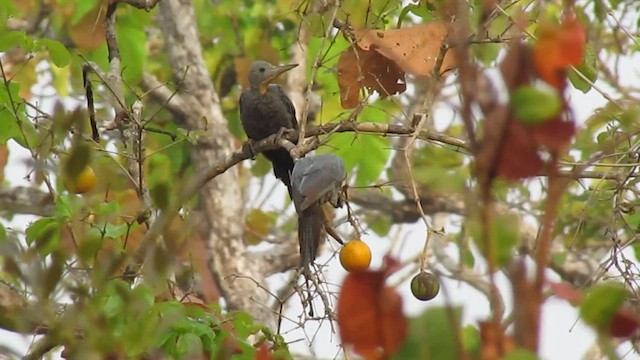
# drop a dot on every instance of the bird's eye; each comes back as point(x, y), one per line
point(262, 69)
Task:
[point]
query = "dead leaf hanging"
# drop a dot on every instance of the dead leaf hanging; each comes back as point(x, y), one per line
point(361, 69)
point(415, 49)
point(370, 316)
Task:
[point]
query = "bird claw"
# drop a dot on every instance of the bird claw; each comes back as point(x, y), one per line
point(337, 198)
point(251, 145)
point(284, 132)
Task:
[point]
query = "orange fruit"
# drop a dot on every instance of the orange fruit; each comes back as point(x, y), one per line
point(84, 182)
point(355, 255)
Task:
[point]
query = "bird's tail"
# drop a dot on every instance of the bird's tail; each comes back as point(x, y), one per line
point(309, 233)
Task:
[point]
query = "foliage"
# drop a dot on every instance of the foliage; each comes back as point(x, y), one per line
point(113, 271)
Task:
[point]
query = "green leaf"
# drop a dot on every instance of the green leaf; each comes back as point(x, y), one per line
point(534, 106)
point(59, 54)
point(108, 208)
point(440, 168)
point(601, 303)
point(9, 94)
point(471, 340)
point(588, 68)
point(52, 275)
point(133, 47)
point(261, 166)
point(113, 306)
point(44, 234)
point(629, 117)
point(144, 295)
point(160, 193)
point(316, 24)
point(78, 160)
point(432, 336)
point(114, 231)
point(3, 233)
point(486, 53)
point(63, 209)
point(7, 10)
point(28, 137)
point(520, 354)
point(243, 323)
point(379, 223)
point(503, 236)
point(9, 126)
point(364, 153)
point(188, 344)
point(11, 39)
point(81, 9)
point(421, 10)
point(91, 243)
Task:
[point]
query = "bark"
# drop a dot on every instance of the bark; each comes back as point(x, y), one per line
point(221, 199)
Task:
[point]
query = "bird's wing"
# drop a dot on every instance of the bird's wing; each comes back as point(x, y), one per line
point(279, 91)
point(314, 177)
point(242, 100)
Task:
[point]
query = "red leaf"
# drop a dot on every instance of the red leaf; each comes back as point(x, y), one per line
point(370, 315)
point(558, 47)
point(554, 134)
point(263, 353)
point(518, 157)
point(624, 323)
point(573, 38)
point(567, 292)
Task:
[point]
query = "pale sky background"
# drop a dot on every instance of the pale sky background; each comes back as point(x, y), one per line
point(563, 335)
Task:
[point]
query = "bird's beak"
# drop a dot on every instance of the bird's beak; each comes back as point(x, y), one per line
point(277, 71)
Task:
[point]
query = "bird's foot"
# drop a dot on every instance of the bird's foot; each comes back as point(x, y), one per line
point(284, 132)
point(281, 139)
point(250, 144)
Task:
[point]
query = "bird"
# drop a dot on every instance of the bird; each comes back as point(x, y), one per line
point(265, 109)
point(315, 180)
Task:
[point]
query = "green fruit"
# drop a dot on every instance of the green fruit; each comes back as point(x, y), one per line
point(425, 286)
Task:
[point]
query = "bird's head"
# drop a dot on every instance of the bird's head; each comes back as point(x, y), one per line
point(261, 74)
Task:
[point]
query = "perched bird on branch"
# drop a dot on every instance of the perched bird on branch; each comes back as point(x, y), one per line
point(315, 180)
point(265, 109)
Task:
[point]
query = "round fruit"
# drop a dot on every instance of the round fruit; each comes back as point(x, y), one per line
point(355, 255)
point(425, 286)
point(85, 181)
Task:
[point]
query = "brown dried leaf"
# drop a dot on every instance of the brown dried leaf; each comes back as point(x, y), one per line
point(518, 156)
point(517, 67)
point(495, 343)
point(4, 157)
point(415, 49)
point(370, 314)
point(358, 69)
point(89, 33)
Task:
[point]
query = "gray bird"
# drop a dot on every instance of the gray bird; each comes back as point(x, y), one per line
point(314, 181)
point(265, 109)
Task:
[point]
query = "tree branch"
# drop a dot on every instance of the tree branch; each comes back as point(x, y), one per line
point(25, 200)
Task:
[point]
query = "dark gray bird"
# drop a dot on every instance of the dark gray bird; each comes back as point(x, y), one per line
point(314, 181)
point(265, 109)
